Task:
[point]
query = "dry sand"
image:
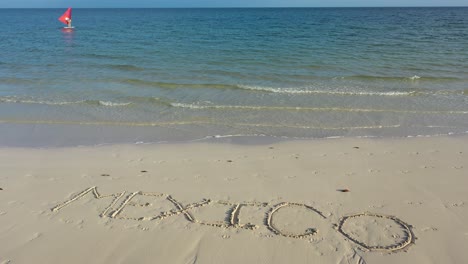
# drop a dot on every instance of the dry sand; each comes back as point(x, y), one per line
point(317, 201)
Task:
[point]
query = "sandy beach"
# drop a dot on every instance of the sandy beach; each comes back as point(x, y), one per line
point(316, 201)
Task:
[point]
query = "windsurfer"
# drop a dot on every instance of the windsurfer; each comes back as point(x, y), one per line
point(66, 18)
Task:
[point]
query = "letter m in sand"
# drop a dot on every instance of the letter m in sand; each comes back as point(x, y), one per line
point(96, 195)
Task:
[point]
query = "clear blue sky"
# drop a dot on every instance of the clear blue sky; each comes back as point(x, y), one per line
point(226, 3)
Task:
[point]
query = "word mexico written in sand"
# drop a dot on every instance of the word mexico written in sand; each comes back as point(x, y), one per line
point(126, 202)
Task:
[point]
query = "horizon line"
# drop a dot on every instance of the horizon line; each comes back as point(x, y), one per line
point(232, 7)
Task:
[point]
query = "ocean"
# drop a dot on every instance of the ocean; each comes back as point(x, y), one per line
point(179, 75)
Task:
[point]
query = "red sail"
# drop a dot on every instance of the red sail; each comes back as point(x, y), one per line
point(66, 16)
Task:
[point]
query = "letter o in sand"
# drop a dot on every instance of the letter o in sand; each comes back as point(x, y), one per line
point(273, 213)
point(375, 232)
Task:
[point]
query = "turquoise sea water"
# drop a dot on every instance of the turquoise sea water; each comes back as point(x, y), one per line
point(151, 75)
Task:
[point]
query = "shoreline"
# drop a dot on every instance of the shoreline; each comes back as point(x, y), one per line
point(330, 201)
point(66, 136)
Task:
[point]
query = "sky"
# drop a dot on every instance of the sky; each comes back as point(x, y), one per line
point(225, 3)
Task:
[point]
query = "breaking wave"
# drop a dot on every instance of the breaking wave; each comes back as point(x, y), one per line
point(48, 102)
point(394, 78)
point(286, 90)
point(305, 91)
point(107, 103)
point(311, 109)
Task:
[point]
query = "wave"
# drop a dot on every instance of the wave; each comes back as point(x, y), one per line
point(290, 91)
point(107, 103)
point(30, 101)
point(47, 102)
point(12, 80)
point(132, 100)
point(149, 100)
point(305, 91)
point(312, 109)
point(193, 122)
point(104, 56)
point(105, 123)
point(265, 89)
point(169, 85)
point(398, 78)
point(311, 137)
point(122, 67)
point(318, 127)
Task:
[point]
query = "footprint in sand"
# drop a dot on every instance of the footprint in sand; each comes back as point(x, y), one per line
point(425, 229)
point(35, 236)
point(167, 179)
point(315, 240)
point(376, 206)
point(414, 203)
point(458, 204)
point(427, 167)
point(230, 179)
